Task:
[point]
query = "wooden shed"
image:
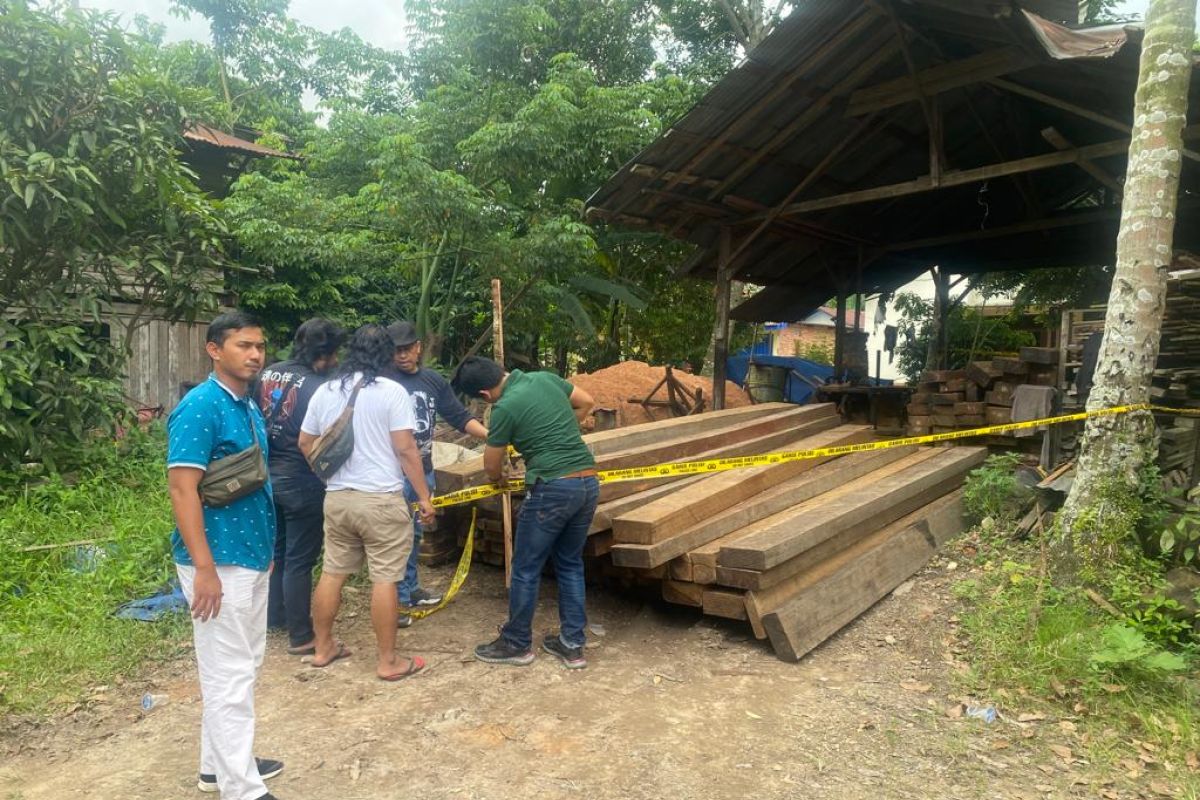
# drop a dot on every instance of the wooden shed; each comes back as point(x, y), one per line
point(863, 142)
point(167, 357)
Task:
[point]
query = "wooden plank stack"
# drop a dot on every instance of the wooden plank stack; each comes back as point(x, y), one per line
point(797, 549)
point(980, 394)
point(1176, 381)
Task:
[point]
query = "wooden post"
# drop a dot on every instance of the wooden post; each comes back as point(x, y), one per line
point(839, 336)
point(506, 498)
point(721, 345)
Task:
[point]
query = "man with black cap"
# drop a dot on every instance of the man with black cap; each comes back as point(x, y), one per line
point(431, 395)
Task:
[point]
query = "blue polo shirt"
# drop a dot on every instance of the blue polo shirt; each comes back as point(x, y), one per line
point(212, 422)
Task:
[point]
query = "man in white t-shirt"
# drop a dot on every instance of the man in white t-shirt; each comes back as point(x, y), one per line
point(366, 516)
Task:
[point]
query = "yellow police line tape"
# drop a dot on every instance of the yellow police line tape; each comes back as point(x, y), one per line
point(460, 576)
point(715, 465)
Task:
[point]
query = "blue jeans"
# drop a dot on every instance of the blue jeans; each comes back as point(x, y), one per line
point(299, 533)
point(411, 582)
point(553, 522)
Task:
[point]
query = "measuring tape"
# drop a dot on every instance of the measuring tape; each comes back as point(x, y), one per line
point(714, 465)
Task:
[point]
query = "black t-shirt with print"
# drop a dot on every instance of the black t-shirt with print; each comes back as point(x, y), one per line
point(284, 389)
point(432, 396)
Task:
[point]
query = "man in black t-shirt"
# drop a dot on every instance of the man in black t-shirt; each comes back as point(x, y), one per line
point(284, 391)
point(432, 396)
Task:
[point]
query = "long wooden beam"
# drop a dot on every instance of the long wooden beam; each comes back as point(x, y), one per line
point(855, 138)
point(650, 171)
point(937, 80)
point(968, 176)
point(1062, 105)
point(1072, 108)
point(748, 115)
point(927, 103)
point(757, 211)
point(705, 207)
point(882, 52)
point(1060, 142)
point(1029, 226)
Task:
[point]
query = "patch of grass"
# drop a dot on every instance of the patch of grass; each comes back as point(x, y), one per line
point(993, 491)
point(1066, 655)
point(58, 635)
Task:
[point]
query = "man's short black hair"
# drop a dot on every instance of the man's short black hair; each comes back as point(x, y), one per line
point(475, 374)
point(315, 339)
point(220, 328)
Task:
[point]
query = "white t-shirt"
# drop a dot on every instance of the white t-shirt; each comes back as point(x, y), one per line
point(382, 406)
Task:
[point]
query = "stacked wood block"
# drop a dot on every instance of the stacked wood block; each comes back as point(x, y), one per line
point(1176, 381)
point(945, 400)
point(980, 394)
point(440, 542)
point(796, 549)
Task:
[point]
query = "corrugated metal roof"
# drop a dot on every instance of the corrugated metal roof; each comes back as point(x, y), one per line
point(829, 93)
point(206, 134)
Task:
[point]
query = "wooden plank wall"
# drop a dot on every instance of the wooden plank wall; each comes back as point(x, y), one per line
point(165, 356)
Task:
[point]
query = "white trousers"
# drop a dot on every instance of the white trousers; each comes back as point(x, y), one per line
point(229, 652)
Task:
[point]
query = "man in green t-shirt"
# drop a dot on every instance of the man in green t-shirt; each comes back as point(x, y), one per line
point(539, 414)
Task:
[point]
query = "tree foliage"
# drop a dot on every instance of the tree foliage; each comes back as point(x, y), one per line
point(412, 214)
point(97, 214)
point(970, 335)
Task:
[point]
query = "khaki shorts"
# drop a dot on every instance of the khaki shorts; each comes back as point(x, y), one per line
point(373, 526)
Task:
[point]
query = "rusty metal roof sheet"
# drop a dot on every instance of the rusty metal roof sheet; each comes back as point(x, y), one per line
point(206, 134)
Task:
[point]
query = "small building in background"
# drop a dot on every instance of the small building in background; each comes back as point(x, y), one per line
point(167, 357)
point(813, 337)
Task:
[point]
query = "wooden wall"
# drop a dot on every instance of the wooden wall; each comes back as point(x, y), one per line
point(165, 356)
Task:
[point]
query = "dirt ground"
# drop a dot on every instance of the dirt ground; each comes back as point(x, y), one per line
point(672, 704)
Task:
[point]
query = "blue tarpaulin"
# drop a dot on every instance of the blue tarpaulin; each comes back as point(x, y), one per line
point(795, 390)
point(169, 599)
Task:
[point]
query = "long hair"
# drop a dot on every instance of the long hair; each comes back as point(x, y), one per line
point(316, 339)
point(370, 352)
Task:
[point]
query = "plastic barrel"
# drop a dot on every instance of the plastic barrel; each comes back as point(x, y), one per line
point(765, 383)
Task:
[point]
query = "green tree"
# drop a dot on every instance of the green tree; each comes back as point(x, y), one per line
point(970, 335)
point(263, 61)
point(95, 210)
point(707, 38)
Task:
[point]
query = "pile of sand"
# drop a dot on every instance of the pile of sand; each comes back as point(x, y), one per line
point(614, 387)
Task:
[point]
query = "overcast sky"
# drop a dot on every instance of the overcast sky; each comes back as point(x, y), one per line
point(380, 22)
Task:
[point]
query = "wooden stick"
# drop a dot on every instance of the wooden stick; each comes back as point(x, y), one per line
point(77, 543)
point(506, 498)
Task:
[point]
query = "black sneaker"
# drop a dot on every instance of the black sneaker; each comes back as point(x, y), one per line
point(267, 768)
point(572, 657)
point(404, 620)
point(421, 598)
point(501, 652)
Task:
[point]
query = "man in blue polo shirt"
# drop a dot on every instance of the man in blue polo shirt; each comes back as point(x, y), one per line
point(223, 556)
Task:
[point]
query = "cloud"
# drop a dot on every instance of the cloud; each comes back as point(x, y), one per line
point(380, 22)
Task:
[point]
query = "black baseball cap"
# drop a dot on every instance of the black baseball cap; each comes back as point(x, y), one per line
point(403, 333)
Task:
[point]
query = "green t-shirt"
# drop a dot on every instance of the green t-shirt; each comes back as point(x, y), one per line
point(535, 416)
